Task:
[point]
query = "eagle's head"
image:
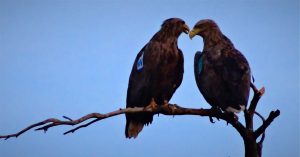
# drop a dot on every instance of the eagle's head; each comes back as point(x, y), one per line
point(204, 28)
point(175, 26)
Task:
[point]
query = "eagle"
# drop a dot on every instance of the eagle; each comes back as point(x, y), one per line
point(156, 74)
point(221, 71)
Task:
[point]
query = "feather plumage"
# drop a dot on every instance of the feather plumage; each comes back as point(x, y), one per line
point(157, 76)
point(224, 78)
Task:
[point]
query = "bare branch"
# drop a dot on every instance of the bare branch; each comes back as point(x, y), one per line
point(250, 112)
point(81, 126)
point(67, 118)
point(50, 120)
point(170, 109)
point(263, 134)
point(266, 123)
point(253, 87)
point(257, 95)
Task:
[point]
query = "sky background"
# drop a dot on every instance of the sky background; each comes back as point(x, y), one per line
point(74, 57)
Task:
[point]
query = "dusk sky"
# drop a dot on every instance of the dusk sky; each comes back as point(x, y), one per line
point(74, 57)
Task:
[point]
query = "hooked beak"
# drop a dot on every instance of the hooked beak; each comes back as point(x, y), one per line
point(194, 32)
point(186, 29)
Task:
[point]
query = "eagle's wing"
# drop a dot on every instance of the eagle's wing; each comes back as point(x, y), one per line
point(198, 64)
point(140, 88)
point(236, 77)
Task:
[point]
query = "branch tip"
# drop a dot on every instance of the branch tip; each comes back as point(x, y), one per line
point(68, 118)
point(261, 92)
point(266, 123)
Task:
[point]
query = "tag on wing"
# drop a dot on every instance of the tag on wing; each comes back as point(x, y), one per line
point(200, 65)
point(140, 63)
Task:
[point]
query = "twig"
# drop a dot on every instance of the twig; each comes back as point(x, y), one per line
point(261, 141)
point(67, 118)
point(263, 134)
point(81, 126)
point(250, 112)
point(266, 123)
point(50, 120)
point(257, 95)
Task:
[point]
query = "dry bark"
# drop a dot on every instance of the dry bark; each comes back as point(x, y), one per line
point(249, 135)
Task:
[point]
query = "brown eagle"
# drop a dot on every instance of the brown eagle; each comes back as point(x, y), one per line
point(156, 74)
point(222, 73)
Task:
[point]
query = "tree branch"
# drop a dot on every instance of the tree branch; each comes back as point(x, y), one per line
point(170, 109)
point(30, 127)
point(266, 123)
point(257, 95)
point(51, 122)
point(263, 134)
point(252, 107)
point(261, 141)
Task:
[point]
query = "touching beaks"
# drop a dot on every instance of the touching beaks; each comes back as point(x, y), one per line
point(194, 32)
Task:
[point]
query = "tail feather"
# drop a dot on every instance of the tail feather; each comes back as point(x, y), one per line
point(235, 110)
point(133, 129)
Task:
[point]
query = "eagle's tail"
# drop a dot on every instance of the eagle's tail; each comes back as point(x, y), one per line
point(133, 129)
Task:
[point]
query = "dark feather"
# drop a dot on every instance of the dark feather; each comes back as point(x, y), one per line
point(224, 80)
point(161, 74)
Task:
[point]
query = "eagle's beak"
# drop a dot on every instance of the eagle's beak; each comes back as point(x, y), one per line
point(186, 29)
point(194, 32)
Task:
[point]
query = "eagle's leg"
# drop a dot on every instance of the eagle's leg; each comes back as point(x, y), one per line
point(211, 119)
point(152, 105)
point(168, 107)
point(166, 103)
point(216, 109)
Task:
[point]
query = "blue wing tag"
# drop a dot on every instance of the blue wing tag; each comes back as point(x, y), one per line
point(200, 64)
point(140, 63)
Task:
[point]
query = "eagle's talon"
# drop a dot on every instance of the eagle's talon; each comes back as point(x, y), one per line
point(216, 110)
point(169, 107)
point(211, 119)
point(152, 105)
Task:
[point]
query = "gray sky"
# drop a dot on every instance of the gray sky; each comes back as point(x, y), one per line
point(63, 57)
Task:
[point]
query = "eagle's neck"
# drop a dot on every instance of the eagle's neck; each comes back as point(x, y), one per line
point(215, 38)
point(166, 36)
point(166, 39)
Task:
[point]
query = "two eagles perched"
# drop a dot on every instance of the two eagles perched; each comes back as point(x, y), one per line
point(222, 73)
